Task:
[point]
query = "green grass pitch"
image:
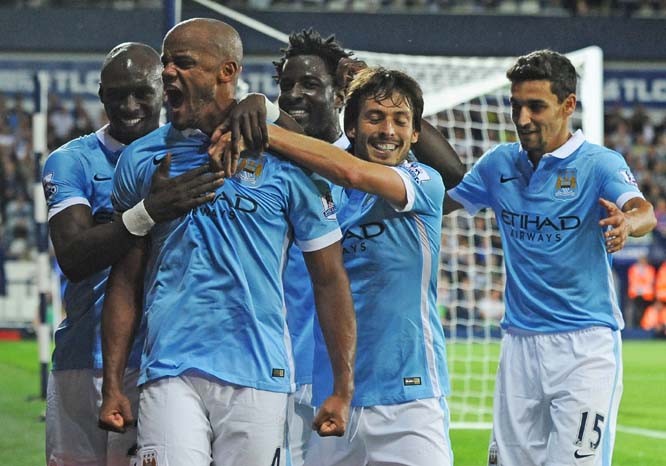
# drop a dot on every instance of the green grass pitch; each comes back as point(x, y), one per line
point(641, 436)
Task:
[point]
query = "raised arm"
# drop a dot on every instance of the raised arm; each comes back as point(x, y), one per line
point(338, 165)
point(434, 150)
point(121, 316)
point(83, 246)
point(338, 324)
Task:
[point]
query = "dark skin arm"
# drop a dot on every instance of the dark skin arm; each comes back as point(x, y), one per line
point(338, 324)
point(82, 246)
point(434, 150)
point(121, 316)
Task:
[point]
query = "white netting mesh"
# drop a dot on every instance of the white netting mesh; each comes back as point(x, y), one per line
point(467, 99)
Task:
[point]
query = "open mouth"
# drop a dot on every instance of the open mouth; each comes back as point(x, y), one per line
point(297, 113)
point(384, 146)
point(175, 97)
point(128, 122)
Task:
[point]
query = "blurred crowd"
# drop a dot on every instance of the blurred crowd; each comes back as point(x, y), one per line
point(640, 136)
point(18, 173)
point(633, 8)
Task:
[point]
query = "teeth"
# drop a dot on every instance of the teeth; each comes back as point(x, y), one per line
point(385, 146)
point(297, 113)
point(132, 121)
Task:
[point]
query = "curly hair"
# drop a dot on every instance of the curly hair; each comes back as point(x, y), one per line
point(310, 42)
point(546, 65)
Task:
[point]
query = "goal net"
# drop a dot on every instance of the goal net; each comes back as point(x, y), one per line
point(467, 98)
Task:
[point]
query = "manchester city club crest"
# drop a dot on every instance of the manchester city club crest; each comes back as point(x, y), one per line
point(566, 184)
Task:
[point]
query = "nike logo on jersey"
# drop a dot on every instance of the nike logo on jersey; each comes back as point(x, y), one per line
point(99, 177)
point(504, 179)
point(578, 455)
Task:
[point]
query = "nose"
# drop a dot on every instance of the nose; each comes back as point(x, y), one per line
point(169, 72)
point(522, 117)
point(294, 93)
point(386, 128)
point(130, 104)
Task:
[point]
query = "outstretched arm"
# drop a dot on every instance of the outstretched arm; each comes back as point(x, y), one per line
point(635, 219)
point(121, 316)
point(338, 165)
point(434, 150)
point(82, 246)
point(338, 324)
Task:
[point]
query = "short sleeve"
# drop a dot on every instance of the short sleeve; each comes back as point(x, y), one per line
point(126, 192)
point(64, 181)
point(312, 212)
point(618, 182)
point(424, 187)
point(472, 192)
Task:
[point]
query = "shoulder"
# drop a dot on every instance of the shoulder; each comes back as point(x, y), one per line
point(500, 154)
point(74, 150)
point(420, 173)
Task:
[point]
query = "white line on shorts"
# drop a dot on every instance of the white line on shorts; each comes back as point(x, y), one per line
point(642, 432)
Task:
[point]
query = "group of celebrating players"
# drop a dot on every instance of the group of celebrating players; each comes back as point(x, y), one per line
point(257, 283)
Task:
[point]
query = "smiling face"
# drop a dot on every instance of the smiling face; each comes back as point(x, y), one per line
point(131, 91)
point(542, 122)
point(384, 130)
point(307, 93)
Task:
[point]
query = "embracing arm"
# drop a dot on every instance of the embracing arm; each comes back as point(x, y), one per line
point(121, 316)
point(338, 324)
point(83, 247)
point(434, 150)
point(338, 165)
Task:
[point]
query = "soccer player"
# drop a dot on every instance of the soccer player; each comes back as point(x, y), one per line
point(217, 364)
point(562, 205)
point(390, 212)
point(77, 186)
point(313, 75)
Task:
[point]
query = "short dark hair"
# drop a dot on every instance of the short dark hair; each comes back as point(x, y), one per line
point(380, 83)
point(549, 65)
point(310, 42)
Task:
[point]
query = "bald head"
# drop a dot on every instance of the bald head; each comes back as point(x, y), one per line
point(131, 90)
point(131, 57)
point(215, 36)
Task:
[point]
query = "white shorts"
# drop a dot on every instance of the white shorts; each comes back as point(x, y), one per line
point(195, 420)
point(415, 433)
point(73, 438)
point(299, 421)
point(557, 398)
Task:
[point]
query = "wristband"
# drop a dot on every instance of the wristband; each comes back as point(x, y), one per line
point(272, 111)
point(137, 220)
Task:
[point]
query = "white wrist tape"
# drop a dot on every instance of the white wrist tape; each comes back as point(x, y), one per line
point(272, 111)
point(137, 220)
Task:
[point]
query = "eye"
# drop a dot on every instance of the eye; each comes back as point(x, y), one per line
point(285, 85)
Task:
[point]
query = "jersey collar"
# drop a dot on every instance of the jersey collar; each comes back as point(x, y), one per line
point(113, 146)
point(569, 147)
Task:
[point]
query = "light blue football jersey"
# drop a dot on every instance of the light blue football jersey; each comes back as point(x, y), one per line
point(391, 256)
point(80, 172)
point(299, 298)
point(558, 273)
point(214, 294)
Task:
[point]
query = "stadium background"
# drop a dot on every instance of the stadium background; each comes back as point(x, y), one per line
point(69, 38)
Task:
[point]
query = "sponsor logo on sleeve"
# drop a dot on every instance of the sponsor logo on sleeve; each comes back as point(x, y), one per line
point(628, 177)
point(419, 174)
point(50, 188)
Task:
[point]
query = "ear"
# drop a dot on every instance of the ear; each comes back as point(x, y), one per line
point(569, 104)
point(228, 71)
point(339, 99)
point(415, 137)
point(100, 93)
point(351, 133)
